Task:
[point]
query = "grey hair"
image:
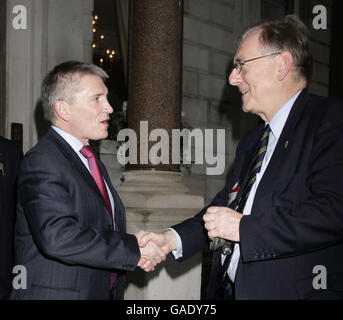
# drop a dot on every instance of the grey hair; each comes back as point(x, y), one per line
point(61, 84)
point(287, 34)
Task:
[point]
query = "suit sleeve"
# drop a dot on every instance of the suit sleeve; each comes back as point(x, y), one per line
point(308, 214)
point(192, 231)
point(59, 229)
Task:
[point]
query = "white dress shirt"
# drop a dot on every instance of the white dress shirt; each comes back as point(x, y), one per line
point(77, 145)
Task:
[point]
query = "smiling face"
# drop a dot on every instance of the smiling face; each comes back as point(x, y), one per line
point(257, 81)
point(86, 116)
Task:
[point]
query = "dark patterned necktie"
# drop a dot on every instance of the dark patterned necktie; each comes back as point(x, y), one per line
point(239, 204)
point(255, 168)
point(87, 152)
point(228, 247)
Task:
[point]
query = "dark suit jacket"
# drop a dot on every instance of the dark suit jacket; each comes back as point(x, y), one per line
point(296, 221)
point(63, 231)
point(10, 156)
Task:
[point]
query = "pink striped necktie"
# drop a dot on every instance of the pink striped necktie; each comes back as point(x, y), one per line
point(87, 152)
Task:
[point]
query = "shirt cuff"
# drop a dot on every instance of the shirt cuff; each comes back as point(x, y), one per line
point(178, 252)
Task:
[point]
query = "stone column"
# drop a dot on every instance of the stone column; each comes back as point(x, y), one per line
point(155, 70)
point(153, 194)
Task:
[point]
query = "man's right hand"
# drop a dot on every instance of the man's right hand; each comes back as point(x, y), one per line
point(166, 240)
point(151, 253)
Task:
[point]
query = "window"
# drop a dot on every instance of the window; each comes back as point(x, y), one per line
point(109, 52)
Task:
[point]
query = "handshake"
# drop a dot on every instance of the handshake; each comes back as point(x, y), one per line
point(154, 248)
point(220, 222)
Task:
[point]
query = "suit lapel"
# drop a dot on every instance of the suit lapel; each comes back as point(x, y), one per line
point(76, 162)
point(281, 152)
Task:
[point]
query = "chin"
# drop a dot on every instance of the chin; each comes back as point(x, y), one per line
point(245, 109)
point(99, 136)
point(105, 135)
point(248, 107)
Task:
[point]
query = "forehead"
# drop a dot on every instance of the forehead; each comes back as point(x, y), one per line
point(249, 47)
point(92, 84)
point(91, 80)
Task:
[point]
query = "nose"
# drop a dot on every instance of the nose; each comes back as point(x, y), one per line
point(235, 78)
point(108, 108)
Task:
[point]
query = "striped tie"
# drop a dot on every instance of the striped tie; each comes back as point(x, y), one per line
point(87, 152)
point(238, 204)
point(228, 247)
point(256, 168)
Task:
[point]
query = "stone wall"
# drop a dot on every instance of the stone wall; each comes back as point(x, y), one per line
point(320, 45)
point(56, 31)
point(210, 33)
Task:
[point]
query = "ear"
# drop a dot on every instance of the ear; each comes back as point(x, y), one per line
point(286, 62)
point(62, 110)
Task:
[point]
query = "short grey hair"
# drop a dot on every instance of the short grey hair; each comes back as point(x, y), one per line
point(61, 84)
point(287, 34)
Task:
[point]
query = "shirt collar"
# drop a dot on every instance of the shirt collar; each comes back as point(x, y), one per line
point(75, 143)
point(278, 121)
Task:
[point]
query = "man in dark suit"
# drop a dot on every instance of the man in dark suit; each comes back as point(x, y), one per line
point(287, 181)
point(71, 229)
point(10, 157)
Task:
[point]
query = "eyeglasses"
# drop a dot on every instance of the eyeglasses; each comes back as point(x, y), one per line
point(238, 65)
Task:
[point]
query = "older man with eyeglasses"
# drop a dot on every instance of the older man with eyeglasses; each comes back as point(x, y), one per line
point(279, 218)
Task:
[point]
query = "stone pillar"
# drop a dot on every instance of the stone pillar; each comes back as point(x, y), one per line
point(155, 75)
point(153, 194)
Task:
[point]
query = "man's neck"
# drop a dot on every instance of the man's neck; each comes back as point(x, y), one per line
point(283, 96)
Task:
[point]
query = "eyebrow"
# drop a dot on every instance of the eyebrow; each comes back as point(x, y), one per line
point(96, 95)
point(99, 95)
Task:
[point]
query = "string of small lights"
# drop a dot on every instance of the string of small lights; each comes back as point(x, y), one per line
point(104, 57)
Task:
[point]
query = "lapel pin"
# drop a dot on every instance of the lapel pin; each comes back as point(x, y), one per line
point(286, 144)
point(2, 168)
